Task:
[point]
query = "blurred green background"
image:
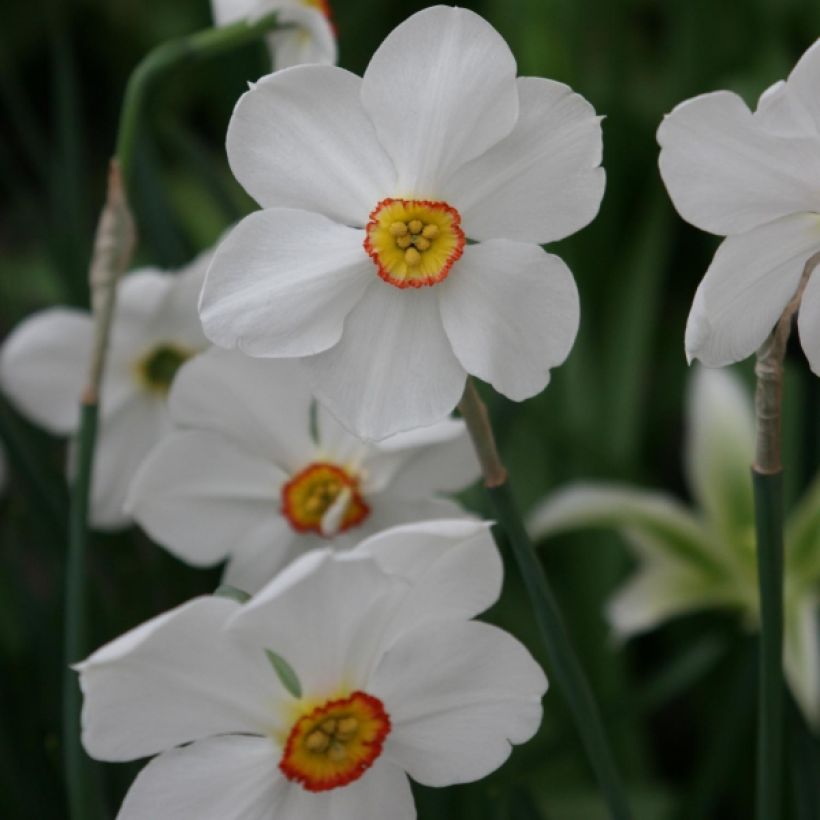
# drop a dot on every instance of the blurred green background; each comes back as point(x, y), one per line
point(679, 702)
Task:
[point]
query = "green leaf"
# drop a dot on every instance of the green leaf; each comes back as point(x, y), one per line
point(227, 591)
point(284, 670)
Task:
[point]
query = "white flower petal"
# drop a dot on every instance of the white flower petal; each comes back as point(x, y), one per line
point(459, 695)
point(780, 111)
point(808, 321)
point(203, 498)
point(804, 79)
point(221, 778)
point(171, 680)
point(282, 283)
point(726, 173)
point(123, 441)
point(300, 138)
point(454, 567)
point(394, 368)
point(312, 41)
point(720, 450)
point(261, 404)
point(801, 657)
point(440, 90)
point(511, 313)
point(543, 181)
point(226, 12)
point(253, 563)
point(43, 366)
point(752, 278)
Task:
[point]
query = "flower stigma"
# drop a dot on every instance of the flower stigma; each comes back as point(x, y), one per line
point(414, 243)
point(323, 498)
point(156, 369)
point(336, 743)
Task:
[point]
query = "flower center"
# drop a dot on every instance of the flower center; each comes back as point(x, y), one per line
point(336, 743)
point(323, 498)
point(157, 368)
point(414, 243)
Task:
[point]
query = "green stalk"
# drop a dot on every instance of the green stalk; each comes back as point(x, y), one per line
point(564, 663)
point(113, 249)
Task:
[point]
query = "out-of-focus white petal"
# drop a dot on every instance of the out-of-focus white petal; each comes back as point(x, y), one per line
point(511, 313)
point(43, 366)
point(804, 80)
point(440, 90)
point(726, 173)
point(174, 679)
point(720, 450)
point(251, 565)
point(123, 441)
point(543, 181)
point(808, 321)
point(230, 11)
point(459, 695)
point(301, 139)
point(801, 656)
point(221, 778)
point(394, 368)
point(261, 404)
point(749, 283)
point(282, 283)
point(200, 496)
point(310, 38)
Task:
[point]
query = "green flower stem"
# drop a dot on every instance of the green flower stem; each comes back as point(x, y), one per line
point(113, 249)
point(564, 663)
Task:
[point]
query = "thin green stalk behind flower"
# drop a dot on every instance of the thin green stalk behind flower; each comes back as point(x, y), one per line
point(112, 254)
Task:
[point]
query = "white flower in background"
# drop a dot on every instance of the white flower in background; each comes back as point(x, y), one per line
point(246, 478)
point(307, 36)
point(754, 178)
point(44, 365)
point(318, 697)
point(705, 558)
point(372, 187)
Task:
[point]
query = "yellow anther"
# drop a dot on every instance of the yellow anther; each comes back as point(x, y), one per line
point(430, 231)
point(317, 741)
point(412, 256)
point(421, 243)
point(398, 229)
point(347, 726)
point(404, 242)
point(415, 226)
point(329, 726)
point(337, 753)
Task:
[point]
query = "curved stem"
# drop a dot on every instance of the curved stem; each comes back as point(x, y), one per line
point(564, 662)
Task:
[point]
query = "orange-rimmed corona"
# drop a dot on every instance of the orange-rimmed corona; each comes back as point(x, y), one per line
point(413, 242)
point(315, 491)
point(336, 743)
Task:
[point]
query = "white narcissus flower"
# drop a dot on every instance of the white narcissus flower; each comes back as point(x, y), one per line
point(381, 674)
point(44, 365)
point(361, 262)
point(307, 34)
point(754, 178)
point(705, 558)
point(258, 473)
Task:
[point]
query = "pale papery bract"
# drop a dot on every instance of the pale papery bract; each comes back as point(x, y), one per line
point(44, 365)
point(371, 187)
point(244, 477)
point(385, 630)
point(753, 177)
point(307, 34)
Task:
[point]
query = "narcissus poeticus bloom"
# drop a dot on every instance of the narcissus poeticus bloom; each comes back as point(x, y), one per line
point(44, 365)
point(307, 33)
point(258, 473)
point(753, 177)
point(399, 245)
point(318, 697)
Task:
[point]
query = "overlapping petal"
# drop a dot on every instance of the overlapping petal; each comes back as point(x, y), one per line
point(511, 313)
point(459, 695)
point(282, 283)
point(752, 278)
point(543, 181)
point(727, 173)
point(394, 368)
point(440, 90)
point(300, 138)
point(804, 79)
point(313, 41)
